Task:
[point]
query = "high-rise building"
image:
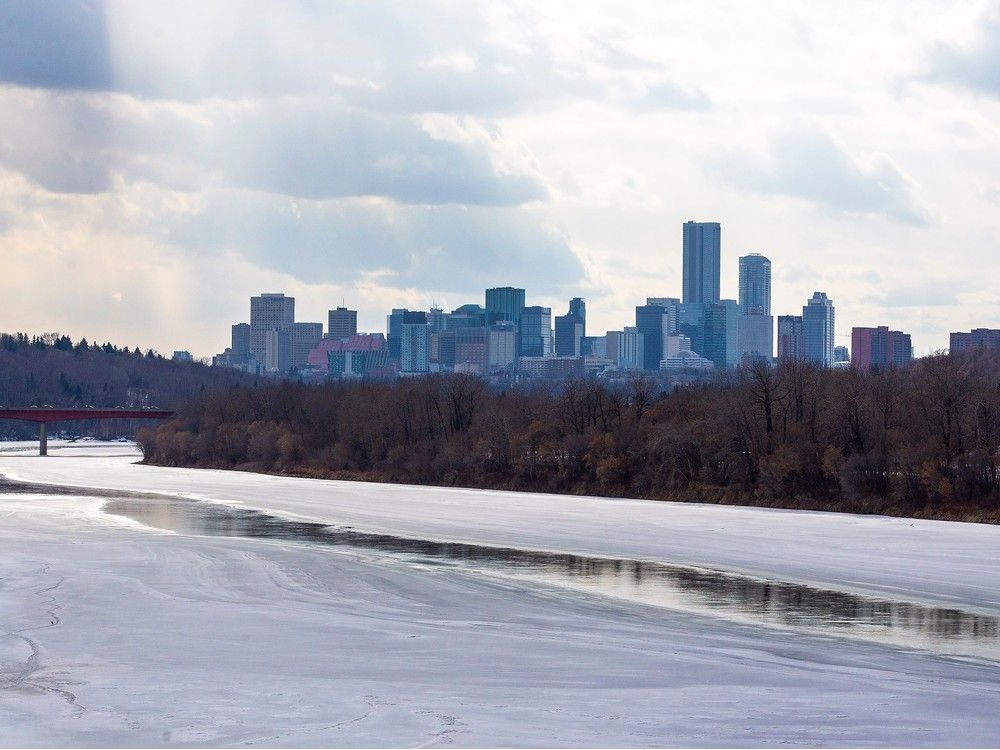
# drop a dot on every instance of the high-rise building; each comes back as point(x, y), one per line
point(578, 308)
point(612, 345)
point(268, 312)
point(755, 284)
point(880, 347)
point(818, 330)
point(653, 322)
point(691, 323)
point(277, 356)
point(791, 346)
point(756, 336)
point(342, 323)
point(241, 343)
point(977, 338)
point(504, 304)
point(394, 331)
point(722, 333)
point(414, 342)
point(502, 347)
point(631, 354)
point(673, 307)
point(702, 261)
point(305, 336)
point(437, 319)
point(535, 337)
point(466, 316)
point(472, 350)
point(570, 329)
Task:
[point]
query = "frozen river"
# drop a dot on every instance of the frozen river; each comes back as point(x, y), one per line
point(154, 606)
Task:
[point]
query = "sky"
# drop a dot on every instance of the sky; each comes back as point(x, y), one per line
point(161, 163)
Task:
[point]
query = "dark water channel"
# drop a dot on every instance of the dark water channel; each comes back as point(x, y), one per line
point(728, 595)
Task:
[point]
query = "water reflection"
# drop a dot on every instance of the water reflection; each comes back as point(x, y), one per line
point(690, 589)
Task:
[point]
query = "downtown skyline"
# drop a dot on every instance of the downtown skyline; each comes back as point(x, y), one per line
point(152, 178)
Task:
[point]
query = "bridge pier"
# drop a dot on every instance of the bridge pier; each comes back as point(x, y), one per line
point(43, 439)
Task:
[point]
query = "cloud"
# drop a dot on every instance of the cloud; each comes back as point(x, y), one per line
point(975, 67)
point(54, 44)
point(809, 164)
point(926, 295)
point(315, 148)
point(447, 248)
point(672, 96)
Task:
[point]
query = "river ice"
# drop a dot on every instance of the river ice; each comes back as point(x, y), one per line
point(116, 633)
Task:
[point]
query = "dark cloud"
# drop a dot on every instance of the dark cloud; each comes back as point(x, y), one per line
point(976, 67)
point(315, 148)
point(446, 248)
point(54, 44)
point(809, 164)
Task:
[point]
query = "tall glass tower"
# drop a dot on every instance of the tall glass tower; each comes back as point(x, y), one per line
point(504, 305)
point(755, 284)
point(702, 251)
point(817, 330)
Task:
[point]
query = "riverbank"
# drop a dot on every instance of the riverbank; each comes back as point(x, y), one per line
point(878, 506)
point(117, 632)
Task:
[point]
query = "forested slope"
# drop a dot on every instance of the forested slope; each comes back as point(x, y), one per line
point(919, 441)
point(53, 370)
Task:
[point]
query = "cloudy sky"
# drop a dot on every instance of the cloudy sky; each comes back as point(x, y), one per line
point(161, 162)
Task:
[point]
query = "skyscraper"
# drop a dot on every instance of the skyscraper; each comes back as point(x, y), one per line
point(570, 329)
point(414, 342)
point(342, 323)
point(722, 333)
point(702, 259)
point(977, 338)
point(578, 307)
point(790, 343)
point(755, 284)
point(305, 336)
point(268, 312)
point(535, 338)
point(504, 304)
point(241, 343)
point(818, 330)
point(653, 322)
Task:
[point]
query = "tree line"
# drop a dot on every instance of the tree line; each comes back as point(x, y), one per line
point(923, 440)
point(52, 370)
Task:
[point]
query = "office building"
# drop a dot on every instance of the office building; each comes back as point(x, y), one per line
point(240, 346)
point(472, 350)
point(755, 284)
point(304, 338)
point(341, 323)
point(268, 312)
point(818, 330)
point(672, 305)
point(535, 332)
point(277, 356)
point(414, 342)
point(594, 346)
point(978, 338)
point(841, 357)
point(569, 330)
point(578, 309)
point(612, 342)
point(437, 319)
point(394, 331)
point(722, 333)
point(653, 322)
point(466, 316)
point(702, 261)
point(502, 348)
point(504, 304)
point(631, 349)
point(756, 336)
point(791, 346)
point(879, 348)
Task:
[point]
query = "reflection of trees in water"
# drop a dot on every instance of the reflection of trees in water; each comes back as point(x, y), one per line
point(784, 603)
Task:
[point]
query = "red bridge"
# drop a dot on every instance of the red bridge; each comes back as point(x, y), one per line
point(46, 414)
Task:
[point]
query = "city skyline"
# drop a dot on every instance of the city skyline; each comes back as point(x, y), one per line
point(152, 178)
